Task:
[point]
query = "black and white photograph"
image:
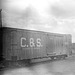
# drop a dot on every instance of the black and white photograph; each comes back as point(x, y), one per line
point(37, 37)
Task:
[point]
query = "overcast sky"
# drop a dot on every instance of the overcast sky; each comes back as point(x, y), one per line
point(56, 16)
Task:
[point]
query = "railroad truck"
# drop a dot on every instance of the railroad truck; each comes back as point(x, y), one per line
point(32, 45)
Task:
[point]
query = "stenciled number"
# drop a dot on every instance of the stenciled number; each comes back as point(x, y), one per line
point(32, 44)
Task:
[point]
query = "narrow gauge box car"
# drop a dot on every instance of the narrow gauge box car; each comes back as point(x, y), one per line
point(19, 44)
point(0, 36)
point(73, 48)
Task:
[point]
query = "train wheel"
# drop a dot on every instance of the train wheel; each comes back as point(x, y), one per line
point(58, 57)
point(55, 58)
point(52, 58)
point(63, 57)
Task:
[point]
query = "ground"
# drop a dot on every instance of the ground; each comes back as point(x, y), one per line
point(57, 67)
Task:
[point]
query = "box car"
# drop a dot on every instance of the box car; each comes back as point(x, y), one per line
point(0, 36)
point(73, 48)
point(21, 44)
